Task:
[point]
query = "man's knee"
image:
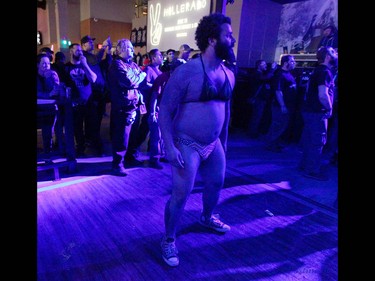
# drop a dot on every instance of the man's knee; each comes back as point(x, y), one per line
point(179, 198)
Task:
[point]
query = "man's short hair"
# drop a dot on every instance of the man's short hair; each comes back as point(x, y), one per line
point(285, 59)
point(152, 53)
point(258, 62)
point(323, 52)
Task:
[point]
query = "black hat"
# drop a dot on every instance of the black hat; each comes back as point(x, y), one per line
point(86, 39)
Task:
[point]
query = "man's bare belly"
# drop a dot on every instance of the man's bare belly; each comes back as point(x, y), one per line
point(200, 121)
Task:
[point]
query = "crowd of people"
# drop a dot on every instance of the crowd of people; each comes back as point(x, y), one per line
point(73, 92)
point(182, 107)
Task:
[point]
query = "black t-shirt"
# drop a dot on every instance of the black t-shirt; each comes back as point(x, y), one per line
point(75, 78)
point(320, 76)
point(285, 82)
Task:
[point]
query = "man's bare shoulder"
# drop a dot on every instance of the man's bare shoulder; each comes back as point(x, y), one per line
point(189, 69)
point(185, 80)
point(194, 62)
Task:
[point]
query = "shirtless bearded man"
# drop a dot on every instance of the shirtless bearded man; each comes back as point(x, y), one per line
point(194, 117)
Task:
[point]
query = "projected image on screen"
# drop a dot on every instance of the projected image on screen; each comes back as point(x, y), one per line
point(172, 23)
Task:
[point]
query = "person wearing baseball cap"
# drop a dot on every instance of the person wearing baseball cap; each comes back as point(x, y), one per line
point(86, 39)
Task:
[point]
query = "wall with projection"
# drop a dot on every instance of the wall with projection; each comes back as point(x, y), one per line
point(171, 23)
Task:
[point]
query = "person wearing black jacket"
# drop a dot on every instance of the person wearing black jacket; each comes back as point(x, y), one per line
point(124, 78)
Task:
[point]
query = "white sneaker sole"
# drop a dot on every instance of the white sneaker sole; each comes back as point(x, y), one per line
point(171, 262)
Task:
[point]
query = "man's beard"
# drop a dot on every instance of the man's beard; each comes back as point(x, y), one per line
point(76, 58)
point(224, 51)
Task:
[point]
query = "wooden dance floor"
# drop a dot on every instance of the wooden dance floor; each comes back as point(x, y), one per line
point(93, 226)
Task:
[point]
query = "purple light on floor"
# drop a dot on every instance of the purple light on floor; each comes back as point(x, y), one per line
point(66, 183)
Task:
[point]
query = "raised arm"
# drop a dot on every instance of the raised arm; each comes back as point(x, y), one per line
point(86, 68)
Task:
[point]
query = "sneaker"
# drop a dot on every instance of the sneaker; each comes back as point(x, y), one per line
point(214, 223)
point(169, 251)
point(316, 176)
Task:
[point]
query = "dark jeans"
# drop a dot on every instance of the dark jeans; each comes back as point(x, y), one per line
point(46, 118)
point(155, 143)
point(332, 136)
point(279, 124)
point(79, 117)
point(93, 120)
point(260, 117)
point(138, 134)
point(314, 137)
point(120, 126)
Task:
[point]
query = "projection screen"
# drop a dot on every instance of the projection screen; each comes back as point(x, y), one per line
point(171, 23)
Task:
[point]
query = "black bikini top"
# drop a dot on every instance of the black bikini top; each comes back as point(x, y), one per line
point(209, 91)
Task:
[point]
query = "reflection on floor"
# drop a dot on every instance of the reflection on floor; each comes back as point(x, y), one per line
point(246, 159)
